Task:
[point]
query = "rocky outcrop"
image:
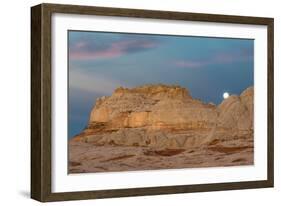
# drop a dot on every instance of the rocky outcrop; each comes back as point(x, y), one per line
point(236, 112)
point(164, 116)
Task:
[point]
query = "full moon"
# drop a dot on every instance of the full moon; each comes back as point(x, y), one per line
point(225, 95)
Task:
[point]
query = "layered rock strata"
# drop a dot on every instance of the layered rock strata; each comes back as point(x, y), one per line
point(161, 116)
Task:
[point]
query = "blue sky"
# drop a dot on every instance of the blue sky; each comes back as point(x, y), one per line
point(99, 62)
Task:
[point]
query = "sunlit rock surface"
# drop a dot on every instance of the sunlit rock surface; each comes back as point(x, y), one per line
point(165, 121)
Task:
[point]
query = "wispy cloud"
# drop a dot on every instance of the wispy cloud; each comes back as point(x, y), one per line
point(227, 57)
point(92, 82)
point(91, 49)
point(189, 63)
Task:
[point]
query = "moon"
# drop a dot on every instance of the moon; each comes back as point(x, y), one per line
point(225, 95)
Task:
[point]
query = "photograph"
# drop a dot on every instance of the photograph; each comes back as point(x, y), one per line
point(134, 102)
point(155, 101)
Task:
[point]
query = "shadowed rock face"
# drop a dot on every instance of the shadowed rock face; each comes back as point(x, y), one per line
point(236, 112)
point(164, 116)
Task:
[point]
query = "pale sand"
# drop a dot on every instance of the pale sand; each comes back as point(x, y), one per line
point(86, 157)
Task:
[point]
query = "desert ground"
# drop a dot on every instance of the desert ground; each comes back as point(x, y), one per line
point(87, 158)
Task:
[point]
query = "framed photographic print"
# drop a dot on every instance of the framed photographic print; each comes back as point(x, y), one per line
point(130, 102)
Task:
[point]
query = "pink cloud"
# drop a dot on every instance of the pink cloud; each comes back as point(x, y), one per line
point(225, 58)
point(219, 58)
point(189, 64)
point(231, 57)
point(92, 55)
point(84, 51)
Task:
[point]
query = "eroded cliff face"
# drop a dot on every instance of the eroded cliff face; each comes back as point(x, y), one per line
point(236, 112)
point(164, 116)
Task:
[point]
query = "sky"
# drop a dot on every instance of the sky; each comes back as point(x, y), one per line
point(99, 62)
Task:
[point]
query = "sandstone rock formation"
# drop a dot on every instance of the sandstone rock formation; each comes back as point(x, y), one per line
point(161, 116)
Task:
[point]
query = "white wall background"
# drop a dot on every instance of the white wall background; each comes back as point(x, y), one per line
point(15, 102)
